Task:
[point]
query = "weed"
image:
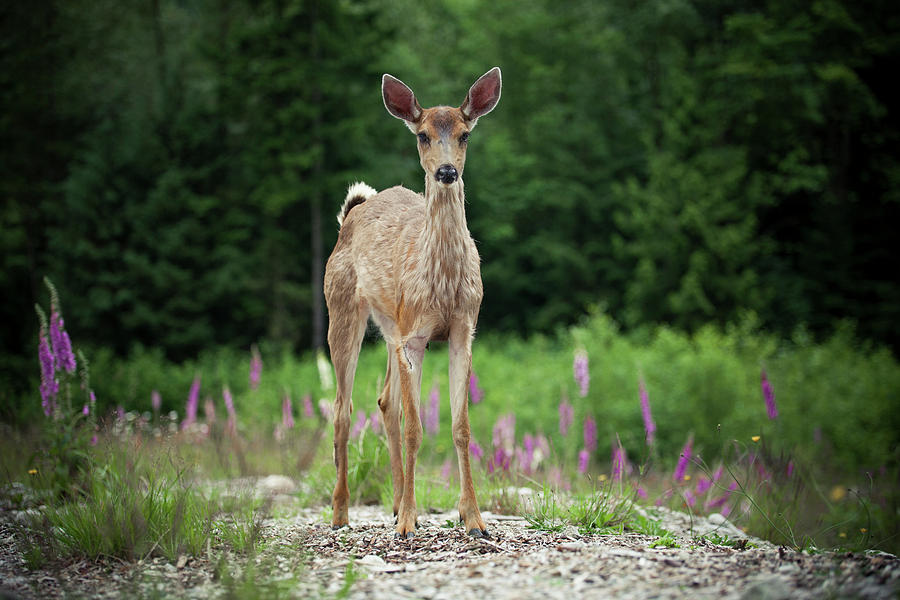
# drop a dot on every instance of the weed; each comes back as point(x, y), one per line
point(667, 540)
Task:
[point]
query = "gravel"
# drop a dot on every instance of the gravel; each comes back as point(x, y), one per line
point(302, 557)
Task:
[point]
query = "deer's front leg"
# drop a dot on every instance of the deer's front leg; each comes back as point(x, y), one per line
point(460, 369)
point(409, 357)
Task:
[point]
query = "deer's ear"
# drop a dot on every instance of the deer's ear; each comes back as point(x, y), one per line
point(482, 97)
point(399, 100)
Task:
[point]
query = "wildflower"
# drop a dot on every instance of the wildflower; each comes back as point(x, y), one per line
point(155, 401)
point(580, 370)
point(769, 396)
point(642, 493)
point(433, 411)
point(475, 449)
point(191, 405)
point(583, 457)
point(684, 459)
point(94, 440)
point(504, 432)
point(689, 498)
point(32, 471)
point(446, 470)
point(360, 424)
point(601, 477)
point(790, 468)
point(718, 474)
point(62, 345)
point(255, 367)
point(863, 530)
point(500, 460)
point(375, 422)
point(476, 394)
point(566, 416)
point(649, 425)
point(120, 414)
point(618, 459)
point(86, 410)
point(755, 438)
point(703, 485)
point(308, 411)
point(231, 423)
point(590, 434)
point(287, 412)
point(49, 385)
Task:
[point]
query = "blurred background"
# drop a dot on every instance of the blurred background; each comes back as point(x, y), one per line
point(175, 167)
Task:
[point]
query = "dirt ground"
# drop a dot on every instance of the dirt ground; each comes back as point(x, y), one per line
point(304, 558)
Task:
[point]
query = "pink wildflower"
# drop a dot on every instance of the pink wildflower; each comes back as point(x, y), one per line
point(191, 405)
point(62, 346)
point(475, 449)
point(590, 434)
point(360, 424)
point(287, 412)
point(231, 423)
point(476, 394)
point(308, 411)
point(155, 401)
point(255, 367)
point(375, 421)
point(649, 424)
point(703, 485)
point(49, 385)
point(504, 432)
point(769, 397)
point(683, 460)
point(583, 458)
point(618, 459)
point(580, 370)
point(433, 411)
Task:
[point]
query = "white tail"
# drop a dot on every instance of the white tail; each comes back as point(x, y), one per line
point(408, 262)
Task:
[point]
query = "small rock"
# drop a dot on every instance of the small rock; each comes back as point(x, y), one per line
point(571, 546)
point(274, 485)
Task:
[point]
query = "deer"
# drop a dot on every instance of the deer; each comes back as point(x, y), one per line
point(408, 262)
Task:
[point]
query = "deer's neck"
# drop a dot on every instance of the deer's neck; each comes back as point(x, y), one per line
point(444, 242)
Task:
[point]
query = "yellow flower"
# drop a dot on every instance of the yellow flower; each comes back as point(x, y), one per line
point(837, 493)
point(755, 438)
point(32, 471)
point(842, 534)
point(602, 477)
point(687, 477)
point(863, 530)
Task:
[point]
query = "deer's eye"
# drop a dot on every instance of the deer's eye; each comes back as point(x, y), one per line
point(464, 138)
point(423, 137)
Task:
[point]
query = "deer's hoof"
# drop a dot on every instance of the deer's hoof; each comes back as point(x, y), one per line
point(479, 533)
point(336, 527)
point(408, 536)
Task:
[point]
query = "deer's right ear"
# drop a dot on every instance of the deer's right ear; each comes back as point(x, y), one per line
point(399, 100)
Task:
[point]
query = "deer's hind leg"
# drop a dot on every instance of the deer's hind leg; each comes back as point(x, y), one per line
point(345, 333)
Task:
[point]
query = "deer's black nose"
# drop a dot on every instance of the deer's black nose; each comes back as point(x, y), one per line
point(446, 174)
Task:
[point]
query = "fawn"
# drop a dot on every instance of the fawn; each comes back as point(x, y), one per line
point(409, 262)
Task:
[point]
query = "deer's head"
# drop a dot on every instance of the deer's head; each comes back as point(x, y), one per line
point(442, 131)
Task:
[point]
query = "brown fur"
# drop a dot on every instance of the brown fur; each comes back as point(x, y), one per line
point(409, 262)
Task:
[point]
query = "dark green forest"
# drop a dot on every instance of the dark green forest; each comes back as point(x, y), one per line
point(175, 166)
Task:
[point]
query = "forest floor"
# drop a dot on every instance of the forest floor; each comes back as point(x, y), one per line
point(301, 557)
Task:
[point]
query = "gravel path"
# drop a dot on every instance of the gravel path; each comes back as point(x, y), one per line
point(304, 558)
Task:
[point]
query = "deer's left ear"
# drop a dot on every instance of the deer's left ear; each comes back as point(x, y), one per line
point(482, 97)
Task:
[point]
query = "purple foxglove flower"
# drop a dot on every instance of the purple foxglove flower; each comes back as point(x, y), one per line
point(62, 346)
point(120, 413)
point(476, 394)
point(504, 432)
point(86, 410)
point(287, 413)
point(769, 396)
point(475, 449)
point(683, 460)
point(433, 411)
point(308, 411)
point(703, 485)
point(583, 458)
point(501, 460)
point(155, 401)
point(94, 440)
point(642, 493)
point(192, 402)
point(590, 434)
point(618, 460)
point(580, 370)
point(49, 385)
point(255, 367)
point(790, 468)
point(209, 410)
point(649, 425)
point(359, 425)
point(566, 416)
point(689, 498)
point(523, 458)
point(718, 474)
point(375, 421)
point(231, 423)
